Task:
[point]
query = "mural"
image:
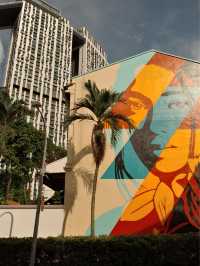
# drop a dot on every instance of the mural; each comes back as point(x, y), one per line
point(163, 101)
point(149, 182)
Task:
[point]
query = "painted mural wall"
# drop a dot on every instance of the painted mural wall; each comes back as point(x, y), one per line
point(150, 182)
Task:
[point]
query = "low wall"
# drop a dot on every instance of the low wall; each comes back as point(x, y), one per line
point(18, 221)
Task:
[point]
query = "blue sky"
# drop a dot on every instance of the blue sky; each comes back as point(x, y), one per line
point(128, 27)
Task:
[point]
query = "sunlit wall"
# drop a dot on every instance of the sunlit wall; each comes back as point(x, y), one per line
point(149, 182)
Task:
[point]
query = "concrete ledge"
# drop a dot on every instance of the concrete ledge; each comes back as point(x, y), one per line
point(6, 207)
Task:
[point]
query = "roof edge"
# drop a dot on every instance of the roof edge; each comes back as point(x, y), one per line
point(56, 161)
point(137, 55)
point(177, 56)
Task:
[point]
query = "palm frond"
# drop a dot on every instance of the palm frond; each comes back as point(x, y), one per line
point(105, 101)
point(117, 118)
point(98, 101)
point(117, 97)
point(75, 116)
point(115, 136)
point(92, 90)
point(115, 130)
point(84, 103)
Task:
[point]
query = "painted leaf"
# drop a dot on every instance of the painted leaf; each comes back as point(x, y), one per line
point(164, 202)
point(161, 198)
point(150, 182)
point(139, 207)
point(177, 185)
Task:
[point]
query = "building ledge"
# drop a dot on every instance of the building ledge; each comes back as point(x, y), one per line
point(46, 207)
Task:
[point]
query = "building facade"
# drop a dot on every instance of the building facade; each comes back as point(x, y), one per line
point(40, 60)
point(91, 54)
point(149, 182)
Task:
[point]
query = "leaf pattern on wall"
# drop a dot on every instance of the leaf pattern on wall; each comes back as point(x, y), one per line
point(177, 185)
point(160, 198)
point(164, 202)
point(191, 201)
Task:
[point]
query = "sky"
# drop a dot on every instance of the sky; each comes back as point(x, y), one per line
point(5, 37)
point(127, 27)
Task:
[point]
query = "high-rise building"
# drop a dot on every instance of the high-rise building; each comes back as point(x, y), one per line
point(41, 59)
point(91, 54)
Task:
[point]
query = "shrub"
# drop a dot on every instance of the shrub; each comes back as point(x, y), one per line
point(162, 250)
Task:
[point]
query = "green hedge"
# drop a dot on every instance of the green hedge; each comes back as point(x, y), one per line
point(166, 250)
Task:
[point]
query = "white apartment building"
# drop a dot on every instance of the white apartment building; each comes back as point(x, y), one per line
point(42, 59)
point(91, 55)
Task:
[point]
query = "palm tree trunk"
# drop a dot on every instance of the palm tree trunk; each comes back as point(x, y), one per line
point(94, 188)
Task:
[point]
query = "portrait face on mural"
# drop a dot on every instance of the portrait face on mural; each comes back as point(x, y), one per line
point(134, 104)
point(168, 127)
point(182, 147)
point(182, 105)
point(161, 154)
point(137, 106)
point(167, 143)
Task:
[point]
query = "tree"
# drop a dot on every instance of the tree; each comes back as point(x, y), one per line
point(21, 150)
point(99, 103)
point(11, 112)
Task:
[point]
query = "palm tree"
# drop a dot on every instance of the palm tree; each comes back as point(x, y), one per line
point(11, 112)
point(99, 103)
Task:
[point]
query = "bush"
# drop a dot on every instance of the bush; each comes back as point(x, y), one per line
point(162, 250)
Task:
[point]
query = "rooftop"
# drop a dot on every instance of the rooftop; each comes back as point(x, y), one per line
point(14, 4)
point(137, 55)
point(43, 4)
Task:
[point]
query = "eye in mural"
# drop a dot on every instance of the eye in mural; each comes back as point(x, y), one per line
point(164, 103)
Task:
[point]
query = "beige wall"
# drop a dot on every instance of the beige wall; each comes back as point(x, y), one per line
point(108, 196)
point(19, 221)
point(156, 154)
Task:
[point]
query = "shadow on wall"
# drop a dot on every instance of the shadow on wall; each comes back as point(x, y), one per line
point(71, 182)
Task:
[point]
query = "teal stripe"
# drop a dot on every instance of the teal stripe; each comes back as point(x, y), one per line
point(168, 114)
point(129, 69)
